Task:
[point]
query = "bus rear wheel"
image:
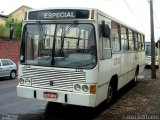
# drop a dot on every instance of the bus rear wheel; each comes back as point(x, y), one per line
point(135, 78)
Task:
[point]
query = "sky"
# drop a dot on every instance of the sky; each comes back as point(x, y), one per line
point(135, 13)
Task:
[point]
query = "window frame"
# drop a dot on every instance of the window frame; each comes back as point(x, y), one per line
point(5, 64)
point(118, 35)
point(131, 39)
point(125, 39)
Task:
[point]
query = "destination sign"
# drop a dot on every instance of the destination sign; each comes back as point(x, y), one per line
point(58, 14)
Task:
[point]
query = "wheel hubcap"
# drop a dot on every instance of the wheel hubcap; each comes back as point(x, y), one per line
point(13, 75)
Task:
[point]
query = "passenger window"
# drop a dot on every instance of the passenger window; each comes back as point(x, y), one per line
point(131, 40)
point(143, 42)
point(136, 40)
point(124, 38)
point(5, 63)
point(10, 62)
point(115, 36)
point(139, 41)
point(105, 46)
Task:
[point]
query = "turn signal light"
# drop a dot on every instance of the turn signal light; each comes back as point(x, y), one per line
point(93, 89)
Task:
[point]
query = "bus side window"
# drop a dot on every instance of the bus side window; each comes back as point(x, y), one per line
point(115, 36)
point(105, 44)
point(142, 36)
point(131, 41)
point(136, 40)
point(139, 42)
point(124, 38)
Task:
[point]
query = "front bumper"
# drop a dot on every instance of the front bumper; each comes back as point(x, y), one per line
point(73, 98)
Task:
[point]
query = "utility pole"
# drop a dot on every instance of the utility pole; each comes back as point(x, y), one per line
point(153, 69)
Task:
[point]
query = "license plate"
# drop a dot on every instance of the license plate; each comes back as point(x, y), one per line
point(50, 95)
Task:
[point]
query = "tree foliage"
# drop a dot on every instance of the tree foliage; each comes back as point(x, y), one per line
point(16, 24)
point(5, 28)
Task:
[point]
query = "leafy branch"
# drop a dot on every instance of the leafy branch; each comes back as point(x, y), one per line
point(16, 24)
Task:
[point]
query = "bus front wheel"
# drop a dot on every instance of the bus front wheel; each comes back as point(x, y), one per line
point(111, 93)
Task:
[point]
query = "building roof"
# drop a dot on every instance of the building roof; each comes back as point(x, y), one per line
point(4, 16)
point(20, 8)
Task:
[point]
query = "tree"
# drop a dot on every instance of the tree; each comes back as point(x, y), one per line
point(3, 30)
point(16, 24)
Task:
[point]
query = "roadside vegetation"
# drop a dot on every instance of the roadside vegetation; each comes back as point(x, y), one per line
point(15, 24)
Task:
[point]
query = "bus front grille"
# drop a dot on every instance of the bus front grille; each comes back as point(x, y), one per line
point(53, 79)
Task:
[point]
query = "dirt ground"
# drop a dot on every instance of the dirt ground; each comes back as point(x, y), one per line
point(140, 102)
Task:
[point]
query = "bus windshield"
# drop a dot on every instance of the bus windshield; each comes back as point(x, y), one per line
point(59, 45)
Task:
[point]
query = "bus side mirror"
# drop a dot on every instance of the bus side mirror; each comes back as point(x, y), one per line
point(105, 30)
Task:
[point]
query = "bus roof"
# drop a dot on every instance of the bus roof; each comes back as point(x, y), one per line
point(86, 16)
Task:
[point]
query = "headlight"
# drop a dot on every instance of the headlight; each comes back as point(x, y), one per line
point(28, 81)
point(85, 88)
point(21, 81)
point(77, 87)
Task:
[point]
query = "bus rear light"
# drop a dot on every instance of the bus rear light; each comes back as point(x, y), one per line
point(93, 89)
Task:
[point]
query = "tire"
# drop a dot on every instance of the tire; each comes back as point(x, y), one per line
point(134, 81)
point(13, 74)
point(111, 94)
point(135, 78)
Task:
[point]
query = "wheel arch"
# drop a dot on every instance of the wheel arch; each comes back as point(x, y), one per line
point(14, 70)
point(114, 81)
point(137, 69)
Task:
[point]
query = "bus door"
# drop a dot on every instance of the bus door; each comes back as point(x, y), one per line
point(105, 55)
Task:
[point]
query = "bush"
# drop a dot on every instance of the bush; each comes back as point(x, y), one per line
point(17, 25)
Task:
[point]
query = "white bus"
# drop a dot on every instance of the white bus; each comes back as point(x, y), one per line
point(148, 54)
point(77, 56)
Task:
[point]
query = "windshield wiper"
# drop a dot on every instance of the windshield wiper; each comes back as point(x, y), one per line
point(62, 44)
point(74, 24)
point(54, 46)
point(78, 40)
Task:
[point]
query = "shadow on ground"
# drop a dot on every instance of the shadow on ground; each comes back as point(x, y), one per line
point(4, 78)
point(70, 112)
